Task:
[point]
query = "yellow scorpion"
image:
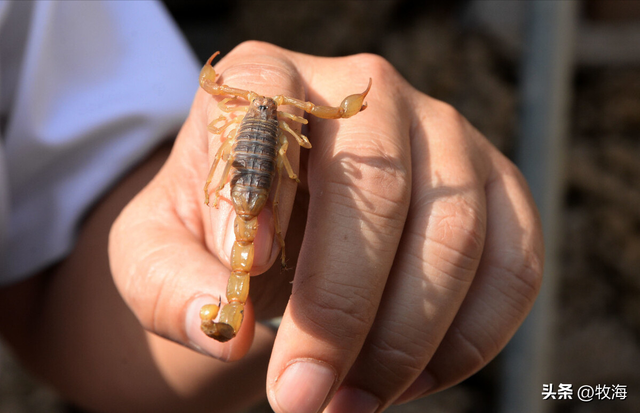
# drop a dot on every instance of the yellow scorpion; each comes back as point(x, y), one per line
point(254, 151)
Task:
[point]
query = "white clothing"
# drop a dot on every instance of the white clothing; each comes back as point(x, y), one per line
point(87, 89)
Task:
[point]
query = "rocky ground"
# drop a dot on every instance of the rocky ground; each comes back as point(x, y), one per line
point(599, 297)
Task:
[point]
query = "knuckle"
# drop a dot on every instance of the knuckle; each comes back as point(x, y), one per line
point(517, 277)
point(378, 182)
point(476, 354)
point(263, 72)
point(395, 364)
point(374, 62)
point(522, 262)
point(458, 226)
point(464, 350)
point(263, 68)
point(384, 178)
point(252, 46)
point(448, 114)
point(399, 356)
point(337, 312)
point(531, 275)
point(524, 268)
point(376, 67)
point(446, 122)
point(508, 168)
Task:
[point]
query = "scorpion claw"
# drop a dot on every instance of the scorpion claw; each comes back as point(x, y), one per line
point(207, 74)
point(353, 104)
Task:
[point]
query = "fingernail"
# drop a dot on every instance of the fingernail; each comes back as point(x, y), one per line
point(350, 400)
point(199, 340)
point(304, 386)
point(423, 383)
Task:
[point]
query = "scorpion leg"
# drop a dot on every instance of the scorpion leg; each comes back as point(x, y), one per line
point(302, 140)
point(282, 157)
point(222, 153)
point(223, 179)
point(276, 220)
point(350, 105)
point(282, 162)
point(221, 129)
point(211, 127)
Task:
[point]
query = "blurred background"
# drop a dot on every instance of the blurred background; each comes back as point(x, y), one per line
point(555, 85)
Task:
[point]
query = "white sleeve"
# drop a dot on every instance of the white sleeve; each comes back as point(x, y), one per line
point(87, 89)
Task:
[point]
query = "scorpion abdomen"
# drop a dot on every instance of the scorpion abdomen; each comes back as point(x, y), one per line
point(254, 162)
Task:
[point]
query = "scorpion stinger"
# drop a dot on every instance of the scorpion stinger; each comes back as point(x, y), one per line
point(254, 152)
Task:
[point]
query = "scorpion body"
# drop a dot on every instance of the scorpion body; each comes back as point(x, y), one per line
point(256, 150)
point(254, 157)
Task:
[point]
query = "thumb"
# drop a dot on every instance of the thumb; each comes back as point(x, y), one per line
point(160, 258)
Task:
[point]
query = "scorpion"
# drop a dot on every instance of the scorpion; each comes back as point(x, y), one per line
point(255, 148)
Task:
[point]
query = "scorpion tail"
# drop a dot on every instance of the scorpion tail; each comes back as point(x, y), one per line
point(232, 314)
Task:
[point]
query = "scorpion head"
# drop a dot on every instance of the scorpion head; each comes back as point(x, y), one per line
point(263, 107)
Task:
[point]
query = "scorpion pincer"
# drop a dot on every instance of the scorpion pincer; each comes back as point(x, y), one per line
point(254, 150)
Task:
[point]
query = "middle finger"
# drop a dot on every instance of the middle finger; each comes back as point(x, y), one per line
point(359, 185)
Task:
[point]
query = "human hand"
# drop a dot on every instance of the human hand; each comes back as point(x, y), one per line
point(421, 255)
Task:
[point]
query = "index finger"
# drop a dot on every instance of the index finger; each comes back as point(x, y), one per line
point(359, 187)
point(248, 154)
